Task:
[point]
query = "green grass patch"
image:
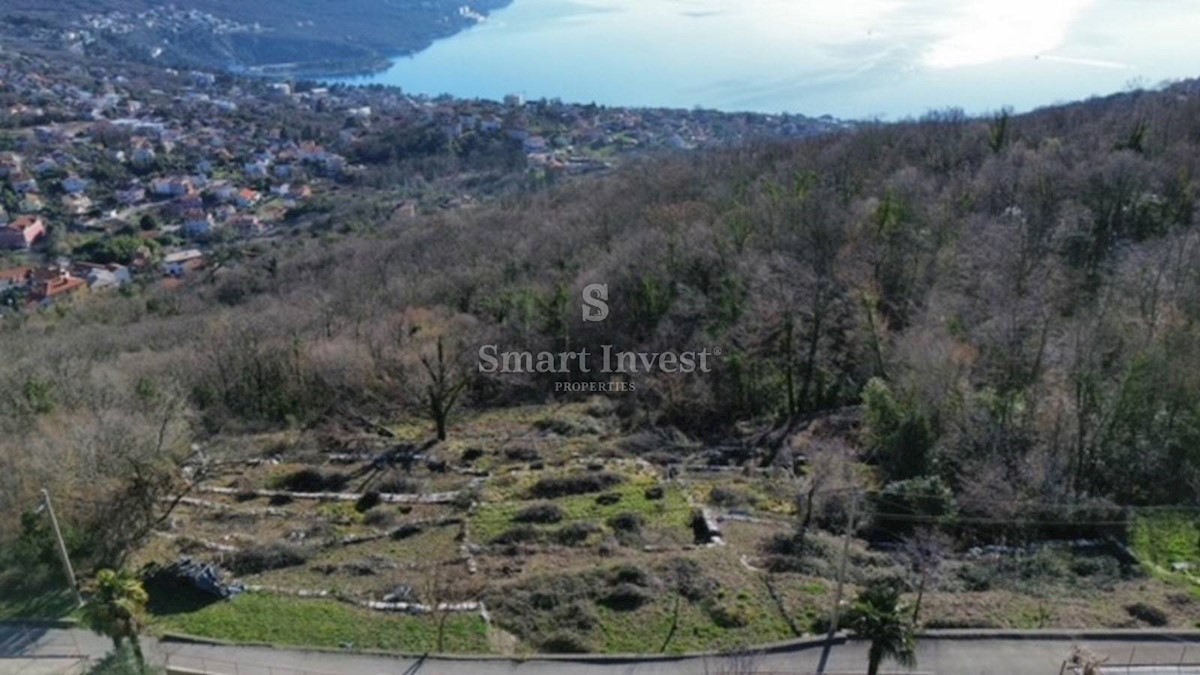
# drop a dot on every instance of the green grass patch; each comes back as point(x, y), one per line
point(670, 513)
point(323, 623)
point(649, 630)
point(1166, 537)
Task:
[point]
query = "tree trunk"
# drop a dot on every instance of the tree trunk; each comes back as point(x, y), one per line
point(789, 367)
point(441, 631)
point(440, 420)
point(874, 659)
point(916, 615)
point(140, 658)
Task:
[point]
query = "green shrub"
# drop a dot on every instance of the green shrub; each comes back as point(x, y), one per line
point(728, 497)
point(268, 557)
point(367, 501)
point(565, 642)
point(311, 480)
point(627, 522)
point(398, 485)
point(564, 486)
point(379, 518)
point(625, 597)
point(406, 531)
point(540, 513)
point(575, 534)
point(1148, 614)
point(728, 615)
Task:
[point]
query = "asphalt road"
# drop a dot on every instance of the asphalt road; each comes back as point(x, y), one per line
point(26, 649)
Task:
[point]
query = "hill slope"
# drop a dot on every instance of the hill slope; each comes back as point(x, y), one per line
point(285, 35)
point(977, 331)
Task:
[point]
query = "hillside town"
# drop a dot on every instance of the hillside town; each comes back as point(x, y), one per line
point(107, 179)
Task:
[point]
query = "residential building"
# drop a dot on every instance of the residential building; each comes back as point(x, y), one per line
point(198, 224)
point(180, 263)
point(22, 233)
point(17, 277)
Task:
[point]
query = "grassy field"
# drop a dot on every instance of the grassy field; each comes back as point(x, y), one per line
point(1164, 538)
point(671, 513)
point(323, 623)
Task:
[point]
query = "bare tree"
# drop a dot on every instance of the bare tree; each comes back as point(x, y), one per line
point(448, 590)
point(443, 389)
point(829, 477)
point(923, 553)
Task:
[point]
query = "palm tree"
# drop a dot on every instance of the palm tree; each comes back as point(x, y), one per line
point(878, 616)
point(115, 608)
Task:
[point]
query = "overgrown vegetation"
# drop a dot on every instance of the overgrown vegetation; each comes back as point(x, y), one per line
point(982, 328)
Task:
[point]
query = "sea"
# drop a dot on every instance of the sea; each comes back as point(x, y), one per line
point(852, 59)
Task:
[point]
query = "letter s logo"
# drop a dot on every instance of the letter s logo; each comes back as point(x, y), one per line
point(595, 308)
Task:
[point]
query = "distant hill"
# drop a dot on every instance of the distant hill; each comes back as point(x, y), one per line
point(287, 36)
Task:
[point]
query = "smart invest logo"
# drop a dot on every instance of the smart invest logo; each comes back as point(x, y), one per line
point(595, 303)
point(587, 368)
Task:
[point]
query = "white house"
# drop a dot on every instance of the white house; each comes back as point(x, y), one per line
point(108, 276)
point(132, 196)
point(181, 262)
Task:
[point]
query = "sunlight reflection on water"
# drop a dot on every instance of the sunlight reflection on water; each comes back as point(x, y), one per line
point(854, 58)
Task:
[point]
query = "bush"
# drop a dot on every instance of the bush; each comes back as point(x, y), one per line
point(903, 503)
point(379, 518)
point(569, 427)
point(728, 615)
point(545, 606)
point(575, 534)
point(977, 578)
point(631, 574)
point(728, 497)
point(627, 522)
point(540, 513)
point(471, 454)
point(689, 579)
point(398, 485)
point(565, 642)
point(897, 434)
point(312, 480)
point(1148, 614)
point(368, 501)
point(565, 486)
point(406, 531)
point(655, 493)
point(608, 499)
point(522, 455)
point(280, 500)
point(625, 597)
point(259, 559)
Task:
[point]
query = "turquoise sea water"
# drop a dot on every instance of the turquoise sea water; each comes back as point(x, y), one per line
point(853, 59)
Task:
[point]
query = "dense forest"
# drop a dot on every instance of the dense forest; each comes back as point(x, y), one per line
point(1008, 304)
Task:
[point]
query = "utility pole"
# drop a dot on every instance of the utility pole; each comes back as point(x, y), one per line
point(835, 613)
point(62, 548)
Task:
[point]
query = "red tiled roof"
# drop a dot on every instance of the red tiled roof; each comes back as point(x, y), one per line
point(16, 274)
